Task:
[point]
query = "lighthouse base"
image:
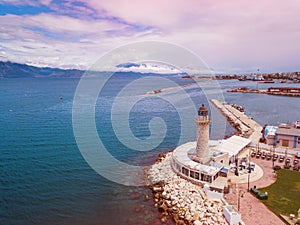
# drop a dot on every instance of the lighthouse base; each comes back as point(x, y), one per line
point(204, 161)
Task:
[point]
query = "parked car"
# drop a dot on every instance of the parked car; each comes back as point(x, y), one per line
point(287, 166)
point(281, 158)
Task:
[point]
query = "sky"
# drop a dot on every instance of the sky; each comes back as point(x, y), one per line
point(232, 36)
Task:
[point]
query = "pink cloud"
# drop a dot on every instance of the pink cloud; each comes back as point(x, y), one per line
point(226, 34)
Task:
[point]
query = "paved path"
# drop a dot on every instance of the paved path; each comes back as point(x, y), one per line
point(246, 123)
point(252, 210)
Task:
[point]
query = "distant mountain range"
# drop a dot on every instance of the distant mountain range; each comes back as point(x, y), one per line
point(15, 70)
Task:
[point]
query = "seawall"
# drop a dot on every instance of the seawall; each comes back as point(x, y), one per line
point(245, 125)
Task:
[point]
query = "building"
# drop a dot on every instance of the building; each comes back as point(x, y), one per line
point(232, 147)
point(288, 135)
point(285, 135)
point(269, 134)
point(204, 161)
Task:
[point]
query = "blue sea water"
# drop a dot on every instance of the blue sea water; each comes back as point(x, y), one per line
point(44, 178)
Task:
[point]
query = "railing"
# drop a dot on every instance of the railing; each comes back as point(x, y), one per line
point(174, 165)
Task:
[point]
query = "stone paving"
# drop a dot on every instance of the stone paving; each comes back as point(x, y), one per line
point(252, 210)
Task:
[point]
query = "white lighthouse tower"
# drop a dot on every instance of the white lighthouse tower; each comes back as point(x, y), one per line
point(202, 134)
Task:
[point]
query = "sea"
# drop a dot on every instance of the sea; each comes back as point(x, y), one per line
point(44, 175)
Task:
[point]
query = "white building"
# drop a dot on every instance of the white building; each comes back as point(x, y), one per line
point(204, 160)
point(285, 135)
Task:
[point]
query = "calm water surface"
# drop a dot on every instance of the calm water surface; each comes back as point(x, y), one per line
point(44, 178)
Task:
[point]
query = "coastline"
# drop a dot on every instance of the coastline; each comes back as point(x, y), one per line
point(180, 199)
point(288, 92)
point(187, 203)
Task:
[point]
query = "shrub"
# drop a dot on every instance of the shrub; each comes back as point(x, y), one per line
point(276, 168)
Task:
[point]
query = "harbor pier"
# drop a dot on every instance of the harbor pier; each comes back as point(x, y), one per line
point(245, 125)
point(281, 91)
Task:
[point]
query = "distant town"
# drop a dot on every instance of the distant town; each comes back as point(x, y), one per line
point(291, 77)
point(14, 70)
point(285, 76)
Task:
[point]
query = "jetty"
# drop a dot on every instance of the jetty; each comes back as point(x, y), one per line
point(167, 89)
point(281, 91)
point(244, 124)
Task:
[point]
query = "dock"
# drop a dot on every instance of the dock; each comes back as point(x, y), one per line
point(244, 124)
point(281, 91)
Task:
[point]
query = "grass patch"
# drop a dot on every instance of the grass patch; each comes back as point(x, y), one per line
point(284, 194)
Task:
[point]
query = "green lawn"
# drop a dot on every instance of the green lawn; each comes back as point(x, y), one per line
point(284, 194)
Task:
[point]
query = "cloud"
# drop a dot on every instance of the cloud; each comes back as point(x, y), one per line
point(60, 41)
point(148, 67)
point(58, 24)
point(226, 34)
point(26, 2)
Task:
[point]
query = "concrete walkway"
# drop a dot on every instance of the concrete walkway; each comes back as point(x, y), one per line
point(243, 178)
point(252, 210)
point(248, 127)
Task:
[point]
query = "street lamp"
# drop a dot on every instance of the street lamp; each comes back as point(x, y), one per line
point(249, 170)
point(240, 195)
point(273, 150)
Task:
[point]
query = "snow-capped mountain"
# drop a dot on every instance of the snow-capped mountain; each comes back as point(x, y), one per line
point(148, 68)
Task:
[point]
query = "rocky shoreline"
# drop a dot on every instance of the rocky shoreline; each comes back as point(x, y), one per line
point(180, 199)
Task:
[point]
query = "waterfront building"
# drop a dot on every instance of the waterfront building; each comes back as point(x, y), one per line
point(269, 134)
point(285, 135)
point(207, 161)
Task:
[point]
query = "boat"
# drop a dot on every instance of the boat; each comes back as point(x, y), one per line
point(267, 81)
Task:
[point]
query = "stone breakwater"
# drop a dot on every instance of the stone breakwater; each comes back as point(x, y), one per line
point(242, 129)
point(181, 199)
point(245, 125)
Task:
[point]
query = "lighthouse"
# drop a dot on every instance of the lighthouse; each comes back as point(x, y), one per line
point(202, 122)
